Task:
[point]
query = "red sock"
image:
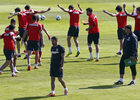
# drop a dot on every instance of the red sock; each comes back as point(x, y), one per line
point(40, 53)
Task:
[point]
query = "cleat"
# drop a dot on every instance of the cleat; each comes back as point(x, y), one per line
point(77, 54)
point(16, 71)
point(29, 68)
point(137, 59)
point(51, 95)
point(119, 53)
point(68, 54)
point(90, 59)
point(39, 64)
point(118, 83)
point(25, 57)
point(0, 73)
point(33, 52)
point(24, 51)
point(131, 83)
point(65, 92)
point(19, 55)
point(36, 67)
point(97, 60)
point(14, 75)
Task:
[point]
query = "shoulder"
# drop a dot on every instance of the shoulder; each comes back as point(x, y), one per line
point(11, 33)
point(61, 47)
point(133, 37)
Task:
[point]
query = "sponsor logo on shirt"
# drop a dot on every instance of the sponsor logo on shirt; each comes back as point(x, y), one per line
point(75, 12)
point(55, 52)
point(33, 24)
point(6, 34)
point(6, 29)
point(138, 16)
point(122, 14)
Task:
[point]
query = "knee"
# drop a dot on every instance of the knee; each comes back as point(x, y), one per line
point(60, 80)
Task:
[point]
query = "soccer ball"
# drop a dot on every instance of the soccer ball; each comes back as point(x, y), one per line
point(43, 17)
point(58, 17)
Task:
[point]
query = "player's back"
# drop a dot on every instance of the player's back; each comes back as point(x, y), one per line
point(22, 20)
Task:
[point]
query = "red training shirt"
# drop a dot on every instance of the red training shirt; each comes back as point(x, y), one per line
point(33, 30)
point(137, 21)
point(93, 22)
point(22, 20)
point(29, 16)
point(74, 17)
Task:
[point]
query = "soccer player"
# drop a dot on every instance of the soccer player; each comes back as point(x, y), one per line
point(122, 21)
point(93, 33)
point(130, 47)
point(22, 27)
point(56, 68)
point(9, 48)
point(74, 27)
point(40, 51)
point(137, 20)
point(35, 34)
point(13, 22)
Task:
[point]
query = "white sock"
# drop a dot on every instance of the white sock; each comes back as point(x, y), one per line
point(14, 68)
point(69, 49)
point(0, 66)
point(78, 49)
point(120, 51)
point(91, 55)
point(0, 71)
point(53, 92)
point(26, 53)
point(28, 64)
point(121, 79)
point(35, 65)
point(13, 73)
point(97, 55)
point(66, 88)
point(18, 53)
point(133, 81)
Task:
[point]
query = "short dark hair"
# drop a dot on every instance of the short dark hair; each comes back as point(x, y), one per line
point(12, 20)
point(71, 7)
point(11, 27)
point(89, 9)
point(37, 17)
point(27, 7)
point(17, 9)
point(138, 8)
point(34, 17)
point(54, 38)
point(119, 8)
point(129, 27)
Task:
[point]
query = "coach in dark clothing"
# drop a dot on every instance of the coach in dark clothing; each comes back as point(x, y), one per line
point(130, 47)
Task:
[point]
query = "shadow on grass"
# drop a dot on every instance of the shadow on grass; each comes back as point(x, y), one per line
point(108, 64)
point(104, 87)
point(36, 97)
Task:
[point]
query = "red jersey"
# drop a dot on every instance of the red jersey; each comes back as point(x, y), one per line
point(121, 19)
point(93, 22)
point(7, 30)
point(22, 20)
point(137, 21)
point(8, 41)
point(74, 17)
point(33, 30)
point(29, 16)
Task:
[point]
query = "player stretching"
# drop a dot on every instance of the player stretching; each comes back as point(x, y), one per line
point(93, 33)
point(9, 48)
point(56, 68)
point(122, 21)
point(40, 51)
point(74, 27)
point(22, 27)
point(35, 34)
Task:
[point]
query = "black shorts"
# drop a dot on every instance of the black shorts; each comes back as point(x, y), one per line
point(33, 45)
point(40, 44)
point(137, 33)
point(21, 32)
point(55, 72)
point(121, 33)
point(8, 54)
point(73, 31)
point(93, 37)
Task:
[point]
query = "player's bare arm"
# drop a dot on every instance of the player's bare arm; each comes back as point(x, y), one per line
point(89, 28)
point(65, 10)
point(124, 7)
point(44, 29)
point(62, 62)
point(41, 36)
point(113, 15)
point(134, 9)
point(18, 13)
point(80, 9)
point(13, 38)
point(44, 11)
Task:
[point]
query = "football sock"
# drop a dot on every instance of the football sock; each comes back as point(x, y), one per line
point(120, 51)
point(39, 59)
point(13, 73)
point(18, 53)
point(66, 88)
point(28, 64)
point(91, 55)
point(26, 53)
point(69, 49)
point(97, 55)
point(121, 79)
point(35, 65)
point(53, 92)
point(0, 66)
point(14, 68)
point(133, 81)
point(78, 49)
point(0, 71)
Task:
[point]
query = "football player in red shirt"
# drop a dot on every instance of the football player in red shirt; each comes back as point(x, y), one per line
point(9, 48)
point(74, 27)
point(122, 21)
point(35, 34)
point(93, 33)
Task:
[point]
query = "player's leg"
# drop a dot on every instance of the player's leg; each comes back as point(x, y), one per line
point(4, 65)
point(25, 44)
point(52, 86)
point(39, 59)
point(77, 46)
point(97, 52)
point(12, 68)
point(29, 59)
point(14, 63)
point(134, 73)
point(89, 40)
point(96, 42)
point(36, 59)
point(63, 84)
point(69, 45)
point(18, 48)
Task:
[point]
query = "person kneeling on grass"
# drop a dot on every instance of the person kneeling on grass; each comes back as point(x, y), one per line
point(56, 67)
point(9, 48)
point(130, 47)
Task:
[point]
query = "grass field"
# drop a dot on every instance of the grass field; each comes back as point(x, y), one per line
point(85, 80)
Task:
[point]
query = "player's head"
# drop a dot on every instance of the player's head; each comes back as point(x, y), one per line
point(17, 9)
point(71, 7)
point(27, 7)
point(89, 11)
point(54, 40)
point(34, 18)
point(119, 8)
point(138, 10)
point(11, 27)
point(13, 21)
point(37, 17)
point(128, 29)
